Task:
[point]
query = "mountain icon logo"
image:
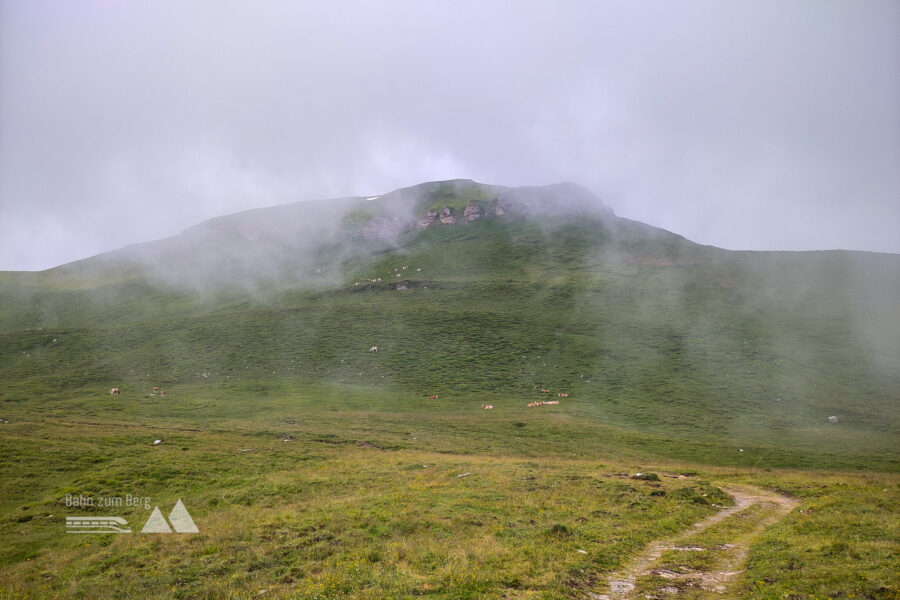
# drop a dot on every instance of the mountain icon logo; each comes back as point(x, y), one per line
point(180, 519)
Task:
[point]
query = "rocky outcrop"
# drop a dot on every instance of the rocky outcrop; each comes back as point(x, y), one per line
point(490, 202)
point(384, 227)
point(427, 220)
point(448, 216)
point(473, 212)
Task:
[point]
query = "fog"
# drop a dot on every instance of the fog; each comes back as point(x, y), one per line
point(755, 125)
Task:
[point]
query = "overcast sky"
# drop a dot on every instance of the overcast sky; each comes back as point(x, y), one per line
point(747, 125)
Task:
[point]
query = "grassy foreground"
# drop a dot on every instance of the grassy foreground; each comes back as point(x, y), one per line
point(317, 469)
point(365, 502)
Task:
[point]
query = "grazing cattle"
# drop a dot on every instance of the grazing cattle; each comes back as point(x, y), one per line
point(162, 393)
point(155, 391)
point(550, 402)
point(373, 349)
point(563, 395)
point(533, 404)
point(114, 392)
point(487, 406)
point(544, 390)
point(433, 397)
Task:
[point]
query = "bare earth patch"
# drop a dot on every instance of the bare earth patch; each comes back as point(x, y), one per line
point(729, 560)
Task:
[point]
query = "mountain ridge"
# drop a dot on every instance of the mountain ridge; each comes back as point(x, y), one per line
point(388, 215)
point(403, 208)
point(645, 330)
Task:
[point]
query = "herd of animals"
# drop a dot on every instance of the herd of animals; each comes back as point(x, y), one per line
point(397, 273)
point(162, 393)
point(116, 391)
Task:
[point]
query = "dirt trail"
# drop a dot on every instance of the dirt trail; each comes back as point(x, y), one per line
point(730, 556)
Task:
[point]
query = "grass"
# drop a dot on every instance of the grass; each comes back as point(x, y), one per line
point(842, 542)
point(676, 358)
point(457, 196)
point(712, 352)
point(373, 511)
point(317, 516)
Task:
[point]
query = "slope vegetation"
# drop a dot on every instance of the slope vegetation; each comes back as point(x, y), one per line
point(645, 331)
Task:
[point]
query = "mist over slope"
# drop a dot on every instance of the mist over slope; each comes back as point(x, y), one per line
point(499, 293)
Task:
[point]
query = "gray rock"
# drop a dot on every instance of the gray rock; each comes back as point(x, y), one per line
point(448, 216)
point(427, 219)
point(473, 212)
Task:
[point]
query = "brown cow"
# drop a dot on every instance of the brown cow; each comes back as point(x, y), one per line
point(487, 406)
point(563, 395)
point(162, 393)
point(544, 390)
point(433, 397)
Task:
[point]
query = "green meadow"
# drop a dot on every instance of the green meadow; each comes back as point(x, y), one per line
point(315, 468)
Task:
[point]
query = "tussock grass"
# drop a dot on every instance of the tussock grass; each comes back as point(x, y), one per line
point(311, 518)
point(676, 358)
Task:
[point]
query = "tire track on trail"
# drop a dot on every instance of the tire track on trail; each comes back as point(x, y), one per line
point(764, 507)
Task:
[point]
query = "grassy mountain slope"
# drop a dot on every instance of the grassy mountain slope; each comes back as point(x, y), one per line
point(647, 332)
point(316, 469)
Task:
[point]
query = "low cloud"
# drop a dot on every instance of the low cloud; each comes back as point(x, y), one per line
point(758, 125)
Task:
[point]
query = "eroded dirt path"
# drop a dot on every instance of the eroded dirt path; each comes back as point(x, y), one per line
point(705, 560)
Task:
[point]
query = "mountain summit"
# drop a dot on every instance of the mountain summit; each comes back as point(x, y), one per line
point(292, 241)
point(460, 201)
point(479, 294)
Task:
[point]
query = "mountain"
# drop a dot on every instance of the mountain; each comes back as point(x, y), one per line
point(475, 293)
